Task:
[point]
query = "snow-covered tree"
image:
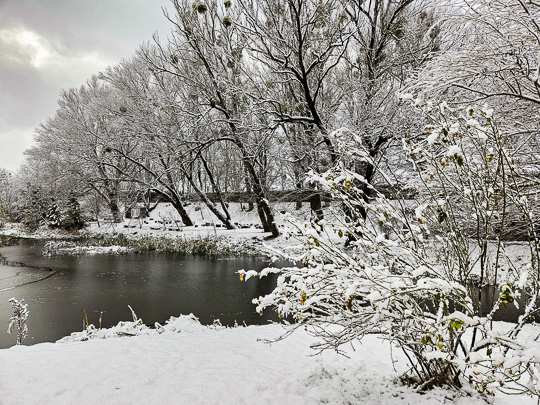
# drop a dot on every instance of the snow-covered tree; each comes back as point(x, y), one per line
point(72, 218)
point(495, 52)
point(33, 207)
point(147, 123)
point(206, 53)
point(492, 55)
point(6, 195)
point(391, 39)
point(78, 142)
point(326, 64)
point(53, 215)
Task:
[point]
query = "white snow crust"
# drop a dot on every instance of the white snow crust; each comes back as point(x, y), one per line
point(188, 363)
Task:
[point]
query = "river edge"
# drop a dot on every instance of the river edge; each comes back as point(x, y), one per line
point(96, 240)
point(190, 363)
point(164, 227)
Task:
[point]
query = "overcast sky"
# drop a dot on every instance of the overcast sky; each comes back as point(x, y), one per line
point(50, 45)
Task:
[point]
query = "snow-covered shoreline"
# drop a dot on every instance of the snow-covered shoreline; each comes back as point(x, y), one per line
point(193, 364)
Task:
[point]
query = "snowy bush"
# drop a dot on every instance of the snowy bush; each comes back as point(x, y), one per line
point(415, 269)
point(18, 319)
point(183, 323)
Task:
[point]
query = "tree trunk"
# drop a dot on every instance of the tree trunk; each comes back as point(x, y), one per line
point(211, 206)
point(369, 173)
point(299, 196)
point(178, 206)
point(220, 197)
point(315, 203)
point(110, 194)
point(249, 190)
point(265, 212)
point(115, 211)
point(262, 217)
point(186, 220)
point(113, 206)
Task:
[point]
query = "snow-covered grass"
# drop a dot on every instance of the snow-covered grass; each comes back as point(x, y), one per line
point(188, 363)
point(52, 248)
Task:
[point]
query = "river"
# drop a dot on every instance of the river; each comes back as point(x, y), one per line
point(156, 285)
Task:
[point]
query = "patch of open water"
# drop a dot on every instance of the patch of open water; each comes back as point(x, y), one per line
point(156, 285)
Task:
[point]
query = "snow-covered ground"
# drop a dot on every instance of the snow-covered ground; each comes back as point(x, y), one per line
point(192, 364)
point(187, 363)
point(164, 220)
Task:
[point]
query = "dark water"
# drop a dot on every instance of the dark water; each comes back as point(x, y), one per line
point(156, 285)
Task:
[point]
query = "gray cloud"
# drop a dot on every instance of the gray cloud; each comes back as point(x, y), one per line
point(46, 46)
point(113, 27)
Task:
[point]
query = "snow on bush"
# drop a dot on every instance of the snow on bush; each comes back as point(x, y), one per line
point(183, 323)
point(415, 269)
point(18, 319)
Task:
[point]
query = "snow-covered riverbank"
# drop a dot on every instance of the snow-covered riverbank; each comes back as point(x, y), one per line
point(192, 364)
point(164, 223)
